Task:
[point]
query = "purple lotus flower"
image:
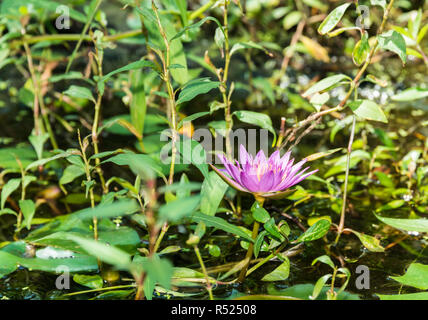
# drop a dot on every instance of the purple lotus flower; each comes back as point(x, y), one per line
point(268, 178)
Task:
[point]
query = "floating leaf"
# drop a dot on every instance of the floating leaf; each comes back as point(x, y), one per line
point(418, 225)
point(280, 273)
point(90, 281)
point(416, 276)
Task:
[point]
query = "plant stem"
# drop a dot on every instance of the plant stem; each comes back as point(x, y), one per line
point(254, 234)
point(354, 84)
point(354, 87)
point(85, 29)
point(345, 191)
point(38, 98)
point(99, 59)
point(223, 86)
point(89, 179)
point(73, 37)
point(204, 270)
point(202, 9)
point(172, 104)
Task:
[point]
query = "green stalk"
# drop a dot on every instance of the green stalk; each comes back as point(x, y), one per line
point(204, 271)
point(202, 9)
point(223, 87)
point(345, 191)
point(250, 249)
point(85, 29)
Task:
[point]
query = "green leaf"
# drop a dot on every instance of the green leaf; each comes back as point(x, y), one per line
point(368, 110)
point(42, 162)
point(221, 224)
point(371, 243)
point(304, 291)
point(132, 66)
point(212, 192)
point(408, 296)
point(280, 273)
point(418, 225)
point(416, 276)
point(324, 259)
point(316, 231)
point(394, 204)
point(159, 270)
point(266, 87)
point(106, 253)
point(411, 94)
point(141, 164)
point(261, 215)
point(361, 50)
point(37, 142)
point(79, 92)
point(8, 157)
point(192, 117)
point(319, 285)
point(138, 106)
point(8, 189)
point(273, 230)
point(326, 83)
point(176, 210)
point(90, 281)
point(79, 263)
point(118, 208)
point(197, 25)
point(333, 19)
point(28, 209)
point(196, 87)
point(71, 173)
point(393, 41)
point(157, 42)
point(259, 242)
point(247, 45)
point(214, 250)
point(384, 179)
point(193, 152)
point(381, 3)
point(319, 99)
point(258, 119)
point(292, 19)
